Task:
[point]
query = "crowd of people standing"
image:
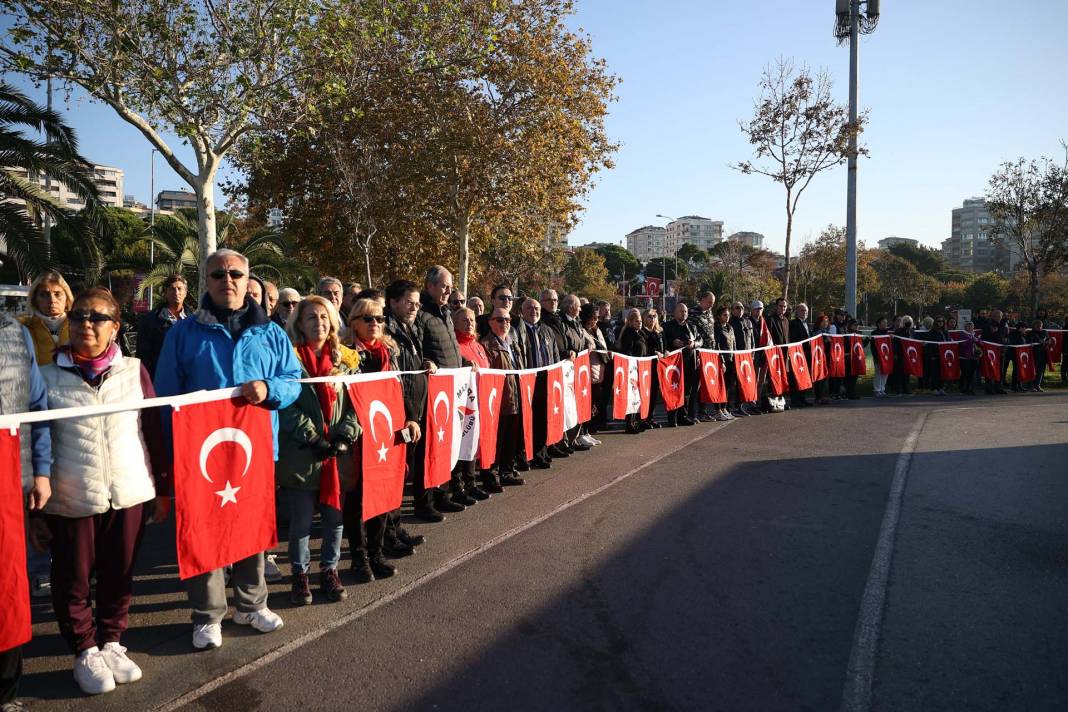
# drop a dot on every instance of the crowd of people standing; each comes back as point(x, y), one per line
point(88, 506)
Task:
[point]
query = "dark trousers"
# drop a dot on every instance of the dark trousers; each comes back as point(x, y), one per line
point(850, 386)
point(821, 389)
point(422, 497)
point(654, 393)
point(834, 387)
point(508, 440)
point(967, 375)
point(602, 397)
point(541, 425)
point(365, 538)
point(462, 475)
point(10, 672)
point(107, 545)
point(900, 379)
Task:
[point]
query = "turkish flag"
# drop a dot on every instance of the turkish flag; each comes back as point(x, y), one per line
point(958, 334)
point(223, 483)
point(442, 429)
point(990, 366)
point(837, 369)
point(795, 353)
point(1025, 363)
point(380, 409)
point(1054, 349)
point(527, 382)
point(949, 356)
point(713, 390)
point(490, 392)
point(912, 349)
point(645, 386)
point(747, 382)
point(583, 387)
point(620, 385)
point(672, 384)
point(819, 361)
point(554, 409)
point(885, 351)
point(858, 361)
point(15, 626)
point(776, 370)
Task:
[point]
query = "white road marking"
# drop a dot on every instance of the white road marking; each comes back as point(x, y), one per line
point(317, 633)
point(856, 695)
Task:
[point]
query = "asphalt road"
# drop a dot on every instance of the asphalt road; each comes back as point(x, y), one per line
point(711, 567)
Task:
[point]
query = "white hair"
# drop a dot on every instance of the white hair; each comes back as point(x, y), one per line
point(225, 252)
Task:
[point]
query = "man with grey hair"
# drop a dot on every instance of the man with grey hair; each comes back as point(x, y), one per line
point(799, 331)
point(537, 343)
point(229, 342)
point(331, 289)
point(288, 299)
point(476, 305)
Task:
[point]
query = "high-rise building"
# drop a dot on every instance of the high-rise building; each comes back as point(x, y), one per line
point(108, 179)
point(970, 247)
point(173, 200)
point(648, 242)
point(694, 230)
point(887, 242)
point(753, 239)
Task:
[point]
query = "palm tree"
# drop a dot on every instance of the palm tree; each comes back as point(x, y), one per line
point(23, 205)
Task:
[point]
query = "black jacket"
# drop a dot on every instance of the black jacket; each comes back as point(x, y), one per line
point(778, 328)
point(725, 341)
point(521, 332)
point(799, 330)
point(684, 332)
point(632, 343)
point(152, 327)
point(704, 325)
point(409, 357)
point(744, 337)
point(567, 332)
point(654, 342)
point(439, 337)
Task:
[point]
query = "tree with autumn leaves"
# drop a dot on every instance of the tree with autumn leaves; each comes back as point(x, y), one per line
point(451, 130)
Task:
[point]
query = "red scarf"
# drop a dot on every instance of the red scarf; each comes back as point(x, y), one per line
point(378, 352)
point(317, 366)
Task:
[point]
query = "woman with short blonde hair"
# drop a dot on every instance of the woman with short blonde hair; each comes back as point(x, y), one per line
point(50, 299)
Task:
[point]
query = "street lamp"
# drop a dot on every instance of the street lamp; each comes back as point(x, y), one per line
point(849, 24)
point(663, 287)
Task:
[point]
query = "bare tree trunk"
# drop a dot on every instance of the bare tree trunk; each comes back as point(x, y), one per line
point(786, 250)
point(204, 189)
point(463, 233)
point(1033, 286)
point(367, 263)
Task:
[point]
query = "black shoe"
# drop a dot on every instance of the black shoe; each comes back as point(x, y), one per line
point(300, 594)
point(461, 497)
point(557, 451)
point(538, 464)
point(411, 540)
point(522, 466)
point(686, 420)
point(330, 585)
point(512, 481)
point(632, 429)
point(396, 549)
point(491, 486)
point(476, 492)
point(652, 424)
point(429, 514)
point(380, 568)
point(671, 423)
point(580, 447)
point(361, 569)
point(446, 504)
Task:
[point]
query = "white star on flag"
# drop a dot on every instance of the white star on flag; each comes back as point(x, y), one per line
point(382, 453)
point(556, 410)
point(441, 434)
point(583, 392)
point(228, 494)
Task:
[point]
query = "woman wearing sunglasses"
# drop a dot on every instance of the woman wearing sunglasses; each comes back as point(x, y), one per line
point(314, 434)
point(105, 469)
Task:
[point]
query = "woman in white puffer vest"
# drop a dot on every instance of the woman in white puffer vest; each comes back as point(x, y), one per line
point(102, 476)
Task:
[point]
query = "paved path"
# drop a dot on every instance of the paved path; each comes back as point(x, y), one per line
point(712, 567)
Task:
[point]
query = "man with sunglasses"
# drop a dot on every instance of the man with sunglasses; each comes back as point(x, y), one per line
point(500, 298)
point(152, 327)
point(230, 342)
point(288, 299)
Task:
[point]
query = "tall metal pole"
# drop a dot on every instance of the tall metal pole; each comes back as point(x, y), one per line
point(851, 185)
point(152, 216)
point(48, 178)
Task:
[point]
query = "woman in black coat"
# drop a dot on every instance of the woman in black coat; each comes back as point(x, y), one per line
point(632, 343)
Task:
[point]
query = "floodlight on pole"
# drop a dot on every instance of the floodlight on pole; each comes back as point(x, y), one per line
point(849, 25)
point(663, 263)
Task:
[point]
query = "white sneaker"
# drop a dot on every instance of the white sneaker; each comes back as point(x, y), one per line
point(122, 668)
point(594, 440)
point(207, 636)
point(271, 572)
point(264, 620)
point(91, 672)
point(41, 587)
point(589, 441)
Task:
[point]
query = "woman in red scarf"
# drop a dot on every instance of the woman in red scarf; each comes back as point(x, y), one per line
point(464, 486)
point(313, 434)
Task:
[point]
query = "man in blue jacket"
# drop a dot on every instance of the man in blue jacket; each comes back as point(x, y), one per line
point(230, 342)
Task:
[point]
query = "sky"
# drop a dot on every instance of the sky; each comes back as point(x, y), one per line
point(953, 88)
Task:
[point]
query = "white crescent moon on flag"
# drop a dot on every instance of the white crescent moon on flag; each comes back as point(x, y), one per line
point(586, 369)
point(668, 374)
point(492, 397)
point(799, 361)
point(911, 353)
point(558, 387)
point(749, 375)
point(837, 351)
point(377, 407)
point(1024, 359)
point(857, 348)
point(774, 357)
point(990, 356)
point(440, 398)
point(884, 348)
point(621, 372)
point(225, 435)
point(530, 396)
point(708, 365)
point(950, 358)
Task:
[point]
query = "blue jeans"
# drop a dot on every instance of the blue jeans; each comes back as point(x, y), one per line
point(302, 504)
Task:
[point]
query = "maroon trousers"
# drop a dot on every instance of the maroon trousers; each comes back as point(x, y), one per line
point(103, 543)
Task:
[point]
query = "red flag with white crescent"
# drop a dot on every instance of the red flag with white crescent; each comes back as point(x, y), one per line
point(223, 483)
point(620, 385)
point(713, 389)
point(858, 360)
point(672, 385)
point(949, 355)
point(583, 387)
point(884, 350)
point(1054, 349)
point(776, 370)
point(527, 382)
point(990, 365)
point(490, 392)
point(442, 430)
point(1025, 363)
point(912, 350)
point(645, 386)
point(554, 409)
point(380, 409)
point(819, 361)
point(15, 625)
point(795, 353)
point(837, 360)
point(747, 382)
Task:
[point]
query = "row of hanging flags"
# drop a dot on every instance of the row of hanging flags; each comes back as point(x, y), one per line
point(224, 468)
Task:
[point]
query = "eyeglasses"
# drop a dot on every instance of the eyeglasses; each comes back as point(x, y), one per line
point(79, 317)
point(288, 305)
point(372, 319)
point(500, 319)
point(234, 274)
point(505, 298)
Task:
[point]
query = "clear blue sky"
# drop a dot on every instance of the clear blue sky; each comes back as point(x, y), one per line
point(953, 87)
